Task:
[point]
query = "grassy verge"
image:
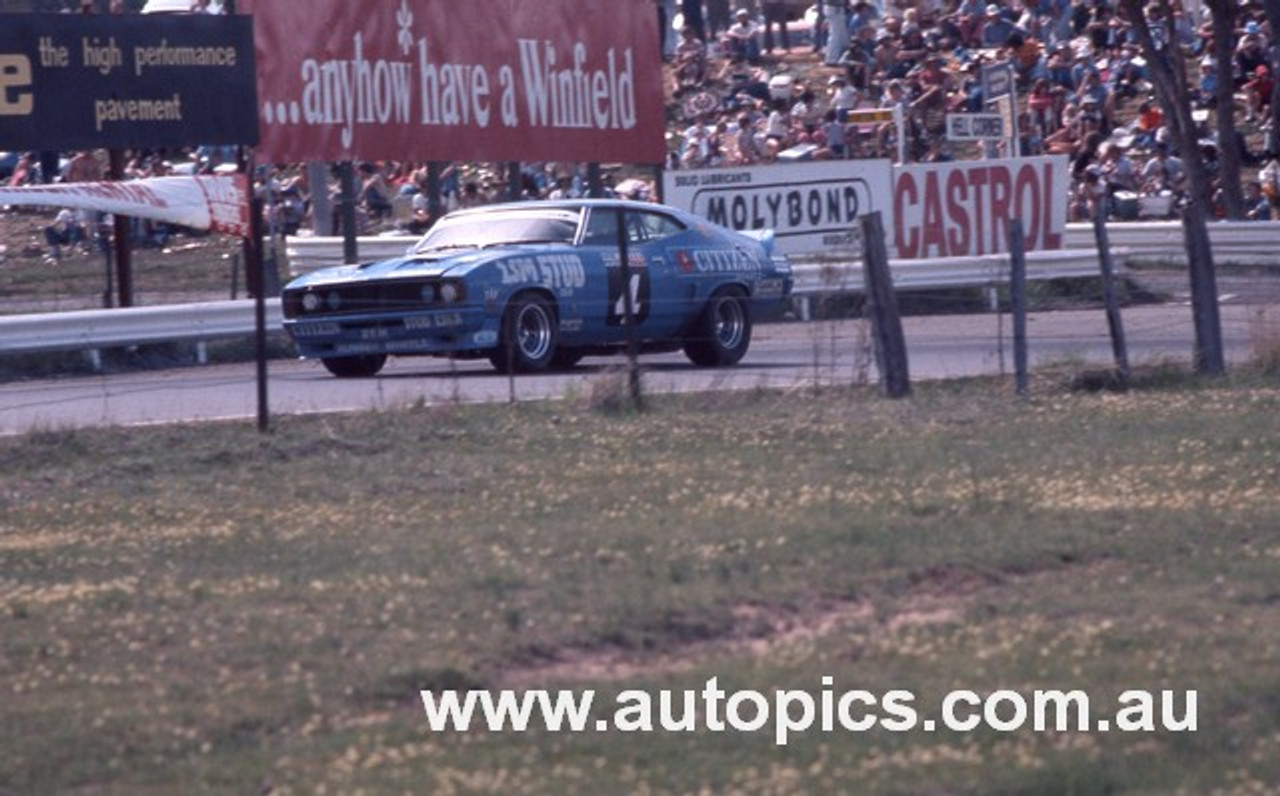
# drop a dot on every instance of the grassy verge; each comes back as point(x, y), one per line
point(187, 611)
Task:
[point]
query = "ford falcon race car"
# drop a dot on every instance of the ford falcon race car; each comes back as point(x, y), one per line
point(538, 285)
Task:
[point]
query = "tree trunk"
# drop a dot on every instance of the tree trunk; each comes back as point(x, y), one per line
point(1167, 69)
point(1225, 13)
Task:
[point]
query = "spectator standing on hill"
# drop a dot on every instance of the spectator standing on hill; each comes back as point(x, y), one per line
point(837, 13)
point(84, 167)
point(775, 14)
point(692, 11)
point(718, 17)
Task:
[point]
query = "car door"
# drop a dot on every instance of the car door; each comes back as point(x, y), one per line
point(607, 313)
point(662, 298)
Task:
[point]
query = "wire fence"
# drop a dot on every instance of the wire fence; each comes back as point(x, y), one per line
point(150, 385)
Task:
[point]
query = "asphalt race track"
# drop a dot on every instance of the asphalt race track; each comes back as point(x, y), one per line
point(782, 355)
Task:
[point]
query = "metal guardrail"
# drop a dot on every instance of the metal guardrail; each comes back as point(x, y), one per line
point(1233, 241)
point(94, 329)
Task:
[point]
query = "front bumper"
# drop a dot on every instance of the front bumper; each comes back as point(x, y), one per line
point(439, 331)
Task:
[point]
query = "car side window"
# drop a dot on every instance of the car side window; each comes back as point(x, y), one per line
point(642, 227)
point(602, 228)
point(656, 226)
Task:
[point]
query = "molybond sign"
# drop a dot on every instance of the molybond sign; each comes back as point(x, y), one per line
point(72, 81)
point(475, 80)
point(811, 206)
point(963, 209)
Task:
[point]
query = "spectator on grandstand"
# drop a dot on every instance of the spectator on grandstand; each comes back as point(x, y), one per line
point(996, 27)
point(1269, 179)
point(1163, 172)
point(1250, 54)
point(1256, 206)
point(747, 150)
point(1257, 92)
point(841, 97)
point(1205, 93)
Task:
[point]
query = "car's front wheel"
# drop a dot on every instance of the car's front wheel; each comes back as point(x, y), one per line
point(355, 367)
point(722, 333)
point(529, 335)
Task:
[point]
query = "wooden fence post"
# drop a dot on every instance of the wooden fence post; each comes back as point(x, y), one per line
point(886, 324)
point(1018, 302)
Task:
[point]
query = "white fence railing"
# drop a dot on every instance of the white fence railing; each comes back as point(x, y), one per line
point(1233, 242)
point(126, 326)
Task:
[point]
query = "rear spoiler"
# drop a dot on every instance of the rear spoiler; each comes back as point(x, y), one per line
point(766, 237)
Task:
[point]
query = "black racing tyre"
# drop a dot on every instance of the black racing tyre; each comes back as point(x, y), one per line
point(530, 330)
point(355, 367)
point(722, 333)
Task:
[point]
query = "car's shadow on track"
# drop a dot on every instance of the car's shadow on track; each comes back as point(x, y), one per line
point(477, 371)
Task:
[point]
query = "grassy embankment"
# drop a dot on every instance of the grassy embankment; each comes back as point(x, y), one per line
point(206, 610)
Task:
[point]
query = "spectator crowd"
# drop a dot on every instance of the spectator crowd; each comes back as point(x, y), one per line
point(1082, 85)
point(756, 85)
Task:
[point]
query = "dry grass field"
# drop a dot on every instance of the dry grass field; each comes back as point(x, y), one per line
point(205, 610)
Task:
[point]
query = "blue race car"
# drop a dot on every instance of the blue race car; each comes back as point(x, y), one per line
point(538, 285)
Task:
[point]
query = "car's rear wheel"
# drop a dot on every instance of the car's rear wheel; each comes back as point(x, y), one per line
point(529, 335)
point(722, 333)
point(355, 367)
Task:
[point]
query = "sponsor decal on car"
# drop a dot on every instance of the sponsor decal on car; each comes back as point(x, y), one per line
point(562, 273)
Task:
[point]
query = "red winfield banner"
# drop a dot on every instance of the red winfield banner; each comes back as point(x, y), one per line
point(219, 203)
point(496, 80)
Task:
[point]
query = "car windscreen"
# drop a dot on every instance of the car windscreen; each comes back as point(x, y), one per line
point(482, 230)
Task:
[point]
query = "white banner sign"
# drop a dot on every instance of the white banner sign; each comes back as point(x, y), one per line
point(813, 207)
point(216, 202)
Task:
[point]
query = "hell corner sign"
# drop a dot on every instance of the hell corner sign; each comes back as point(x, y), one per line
point(480, 80)
point(70, 81)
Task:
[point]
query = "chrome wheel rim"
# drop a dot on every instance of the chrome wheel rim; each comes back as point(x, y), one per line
point(533, 332)
point(730, 323)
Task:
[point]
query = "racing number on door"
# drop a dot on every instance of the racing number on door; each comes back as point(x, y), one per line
point(639, 289)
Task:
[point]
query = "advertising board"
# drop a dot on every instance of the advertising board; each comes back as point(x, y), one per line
point(813, 207)
point(481, 80)
point(72, 81)
point(963, 208)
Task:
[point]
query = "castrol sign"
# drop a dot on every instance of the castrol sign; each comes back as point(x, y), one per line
point(963, 209)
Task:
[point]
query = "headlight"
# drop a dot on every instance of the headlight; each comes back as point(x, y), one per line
point(333, 300)
point(310, 302)
point(428, 293)
point(449, 292)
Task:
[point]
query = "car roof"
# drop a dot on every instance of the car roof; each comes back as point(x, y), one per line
point(569, 204)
